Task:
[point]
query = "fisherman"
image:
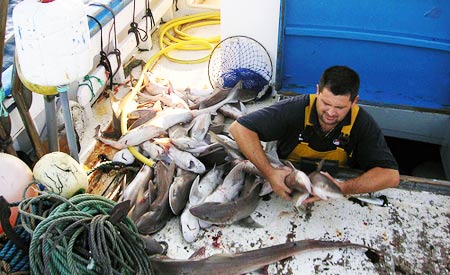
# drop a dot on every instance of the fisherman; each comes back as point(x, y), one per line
point(327, 125)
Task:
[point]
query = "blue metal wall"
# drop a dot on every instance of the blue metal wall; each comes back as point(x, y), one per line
point(400, 48)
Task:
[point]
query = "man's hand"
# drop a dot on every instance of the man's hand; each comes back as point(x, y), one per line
point(276, 179)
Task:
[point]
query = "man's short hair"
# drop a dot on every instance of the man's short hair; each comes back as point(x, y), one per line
point(340, 80)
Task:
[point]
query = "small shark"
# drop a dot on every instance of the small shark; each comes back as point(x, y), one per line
point(179, 190)
point(158, 215)
point(232, 211)
point(322, 186)
point(244, 262)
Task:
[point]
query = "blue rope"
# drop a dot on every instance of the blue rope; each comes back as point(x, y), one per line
point(16, 258)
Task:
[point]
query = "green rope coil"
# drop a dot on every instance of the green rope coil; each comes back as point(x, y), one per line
point(76, 236)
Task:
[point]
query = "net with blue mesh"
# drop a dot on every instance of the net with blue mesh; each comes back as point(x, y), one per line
point(240, 58)
point(250, 79)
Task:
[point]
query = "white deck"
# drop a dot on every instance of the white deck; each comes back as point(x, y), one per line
point(414, 230)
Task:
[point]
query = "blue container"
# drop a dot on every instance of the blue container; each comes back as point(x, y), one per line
point(401, 49)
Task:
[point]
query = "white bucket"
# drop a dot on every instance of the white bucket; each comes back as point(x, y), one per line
point(52, 41)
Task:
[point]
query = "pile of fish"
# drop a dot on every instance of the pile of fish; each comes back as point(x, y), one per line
point(200, 173)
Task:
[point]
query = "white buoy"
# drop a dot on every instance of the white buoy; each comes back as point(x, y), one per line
point(52, 41)
point(61, 174)
point(53, 49)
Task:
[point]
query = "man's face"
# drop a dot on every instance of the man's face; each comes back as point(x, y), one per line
point(332, 109)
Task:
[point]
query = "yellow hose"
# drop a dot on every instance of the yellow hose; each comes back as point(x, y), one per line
point(197, 20)
point(184, 42)
point(180, 31)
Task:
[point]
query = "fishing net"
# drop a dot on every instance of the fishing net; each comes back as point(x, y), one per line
point(239, 58)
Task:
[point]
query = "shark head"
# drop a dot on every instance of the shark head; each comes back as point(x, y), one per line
point(323, 187)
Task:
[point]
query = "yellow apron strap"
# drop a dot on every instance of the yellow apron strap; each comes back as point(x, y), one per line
point(348, 128)
point(308, 109)
point(302, 150)
point(339, 154)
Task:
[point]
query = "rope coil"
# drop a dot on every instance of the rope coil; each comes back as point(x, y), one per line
point(80, 236)
point(13, 260)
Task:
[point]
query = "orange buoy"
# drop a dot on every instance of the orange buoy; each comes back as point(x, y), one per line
point(15, 175)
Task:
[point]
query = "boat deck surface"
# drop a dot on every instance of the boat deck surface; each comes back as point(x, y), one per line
point(413, 230)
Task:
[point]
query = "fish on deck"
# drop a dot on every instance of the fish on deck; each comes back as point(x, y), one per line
point(244, 262)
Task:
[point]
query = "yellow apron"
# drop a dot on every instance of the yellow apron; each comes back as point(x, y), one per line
point(302, 150)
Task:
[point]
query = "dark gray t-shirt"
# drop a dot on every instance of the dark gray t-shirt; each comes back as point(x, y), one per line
point(284, 122)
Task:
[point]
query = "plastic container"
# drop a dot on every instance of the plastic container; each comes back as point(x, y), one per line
point(52, 41)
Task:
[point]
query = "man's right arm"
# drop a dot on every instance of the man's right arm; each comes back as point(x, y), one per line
point(250, 145)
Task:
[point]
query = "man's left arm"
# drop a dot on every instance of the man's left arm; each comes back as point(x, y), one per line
point(373, 156)
point(372, 180)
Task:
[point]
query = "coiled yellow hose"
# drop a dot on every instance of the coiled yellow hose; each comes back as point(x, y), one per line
point(172, 33)
point(167, 43)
